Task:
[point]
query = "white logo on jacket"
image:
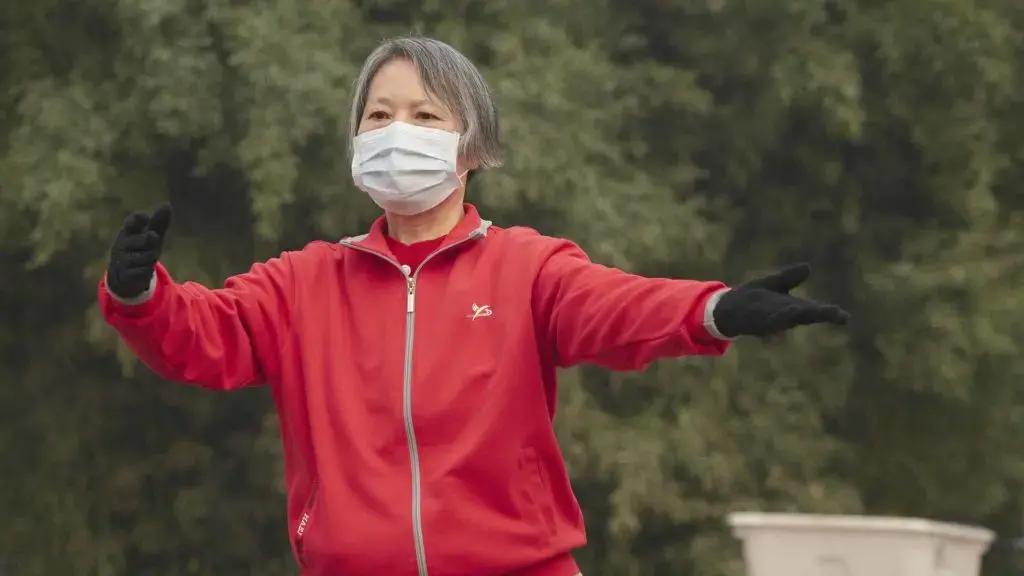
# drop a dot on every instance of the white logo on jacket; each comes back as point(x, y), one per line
point(480, 312)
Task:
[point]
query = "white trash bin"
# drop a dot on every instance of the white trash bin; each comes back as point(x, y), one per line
point(821, 545)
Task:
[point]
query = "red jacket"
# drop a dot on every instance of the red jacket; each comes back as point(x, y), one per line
point(416, 407)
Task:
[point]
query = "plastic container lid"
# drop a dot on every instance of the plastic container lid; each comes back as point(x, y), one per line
point(746, 522)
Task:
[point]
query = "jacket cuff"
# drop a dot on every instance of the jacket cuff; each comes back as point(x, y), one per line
point(135, 300)
point(709, 315)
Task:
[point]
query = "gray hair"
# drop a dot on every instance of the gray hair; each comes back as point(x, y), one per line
point(450, 77)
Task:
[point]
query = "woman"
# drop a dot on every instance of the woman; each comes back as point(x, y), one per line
point(413, 368)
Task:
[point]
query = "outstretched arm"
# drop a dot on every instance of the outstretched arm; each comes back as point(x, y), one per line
point(220, 339)
point(586, 312)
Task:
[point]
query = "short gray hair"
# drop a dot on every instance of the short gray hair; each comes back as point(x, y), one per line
point(450, 77)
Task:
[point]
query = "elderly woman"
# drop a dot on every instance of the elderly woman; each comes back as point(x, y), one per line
point(413, 367)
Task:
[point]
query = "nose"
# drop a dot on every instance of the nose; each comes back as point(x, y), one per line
point(403, 114)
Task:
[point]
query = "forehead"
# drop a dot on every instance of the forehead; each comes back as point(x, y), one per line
point(397, 80)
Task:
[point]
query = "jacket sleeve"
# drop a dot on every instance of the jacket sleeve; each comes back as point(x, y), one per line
point(217, 339)
point(588, 313)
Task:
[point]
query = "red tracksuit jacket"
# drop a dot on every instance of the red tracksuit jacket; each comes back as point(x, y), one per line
point(416, 406)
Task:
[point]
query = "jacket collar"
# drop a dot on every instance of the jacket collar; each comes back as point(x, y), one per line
point(471, 226)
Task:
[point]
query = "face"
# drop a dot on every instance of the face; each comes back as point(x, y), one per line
point(397, 95)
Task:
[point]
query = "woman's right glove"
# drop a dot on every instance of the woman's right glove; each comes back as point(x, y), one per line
point(135, 252)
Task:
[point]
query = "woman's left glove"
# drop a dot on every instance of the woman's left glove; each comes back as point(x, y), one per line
point(764, 307)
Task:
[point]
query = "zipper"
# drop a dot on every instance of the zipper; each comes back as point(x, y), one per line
point(307, 513)
point(410, 431)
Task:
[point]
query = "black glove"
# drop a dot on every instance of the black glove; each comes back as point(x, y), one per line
point(763, 307)
point(135, 252)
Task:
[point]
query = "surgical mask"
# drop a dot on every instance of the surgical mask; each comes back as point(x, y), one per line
point(406, 169)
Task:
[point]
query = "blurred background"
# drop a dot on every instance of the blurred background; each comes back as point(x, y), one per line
point(879, 140)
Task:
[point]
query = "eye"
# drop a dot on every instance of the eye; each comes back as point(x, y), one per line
point(428, 116)
point(377, 115)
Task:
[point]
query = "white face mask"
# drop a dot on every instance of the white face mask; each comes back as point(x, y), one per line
point(406, 169)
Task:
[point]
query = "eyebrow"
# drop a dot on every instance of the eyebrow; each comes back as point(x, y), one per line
point(388, 102)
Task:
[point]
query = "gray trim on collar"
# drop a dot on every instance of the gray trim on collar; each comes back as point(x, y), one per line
point(353, 239)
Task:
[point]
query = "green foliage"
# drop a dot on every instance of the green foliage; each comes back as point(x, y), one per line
point(707, 139)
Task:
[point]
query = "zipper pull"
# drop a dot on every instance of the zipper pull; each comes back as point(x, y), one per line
point(410, 305)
